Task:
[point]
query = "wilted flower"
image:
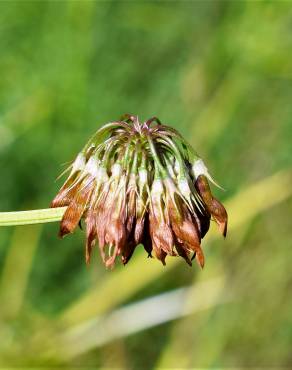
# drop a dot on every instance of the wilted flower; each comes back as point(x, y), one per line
point(137, 184)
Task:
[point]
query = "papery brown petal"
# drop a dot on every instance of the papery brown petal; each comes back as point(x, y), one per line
point(104, 221)
point(133, 239)
point(91, 233)
point(139, 230)
point(183, 252)
point(220, 215)
point(110, 261)
point(65, 194)
point(134, 229)
point(75, 211)
point(140, 218)
point(116, 233)
point(101, 221)
point(131, 210)
point(116, 230)
point(186, 230)
point(159, 253)
point(213, 206)
point(159, 226)
point(200, 257)
point(161, 234)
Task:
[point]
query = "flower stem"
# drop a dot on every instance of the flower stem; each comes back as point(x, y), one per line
point(37, 216)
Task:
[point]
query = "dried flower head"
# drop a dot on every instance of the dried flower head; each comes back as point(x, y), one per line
point(140, 184)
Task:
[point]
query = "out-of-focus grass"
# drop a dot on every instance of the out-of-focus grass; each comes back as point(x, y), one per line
point(220, 72)
point(17, 267)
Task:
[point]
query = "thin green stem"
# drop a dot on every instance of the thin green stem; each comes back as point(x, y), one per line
point(36, 216)
point(104, 130)
point(177, 153)
point(172, 132)
point(157, 161)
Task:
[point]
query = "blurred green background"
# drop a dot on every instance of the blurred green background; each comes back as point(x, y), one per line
point(219, 72)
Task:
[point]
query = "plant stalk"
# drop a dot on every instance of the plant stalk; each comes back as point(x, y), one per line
point(36, 216)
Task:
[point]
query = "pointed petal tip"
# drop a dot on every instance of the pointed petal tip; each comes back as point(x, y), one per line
point(201, 264)
point(222, 228)
point(189, 262)
point(200, 260)
point(210, 178)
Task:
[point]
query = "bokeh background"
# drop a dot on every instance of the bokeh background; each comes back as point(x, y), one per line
point(219, 72)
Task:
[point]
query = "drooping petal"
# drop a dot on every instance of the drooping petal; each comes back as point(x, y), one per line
point(160, 230)
point(76, 209)
point(186, 230)
point(66, 193)
point(182, 250)
point(213, 206)
point(91, 233)
point(159, 253)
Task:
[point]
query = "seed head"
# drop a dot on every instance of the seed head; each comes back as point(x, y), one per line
point(140, 183)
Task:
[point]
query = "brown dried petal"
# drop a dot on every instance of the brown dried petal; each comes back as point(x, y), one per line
point(140, 217)
point(213, 205)
point(183, 251)
point(139, 230)
point(91, 233)
point(159, 253)
point(110, 261)
point(160, 231)
point(66, 193)
point(101, 220)
point(75, 209)
point(186, 230)
point(116, 234)
point(131, 209)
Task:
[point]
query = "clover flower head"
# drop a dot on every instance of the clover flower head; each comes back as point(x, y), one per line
point(140, 184)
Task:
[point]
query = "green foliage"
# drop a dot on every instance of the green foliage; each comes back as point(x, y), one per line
point(219, 72)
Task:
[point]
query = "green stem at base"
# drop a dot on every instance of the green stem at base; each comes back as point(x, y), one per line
point(36, 216)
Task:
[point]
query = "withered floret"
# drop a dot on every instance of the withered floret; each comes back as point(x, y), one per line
point(135, 184)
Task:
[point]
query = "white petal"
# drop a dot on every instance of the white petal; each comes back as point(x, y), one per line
point(116, 170)
point(92, 166)
point(157, 187)
point(143, 176)
point(79, 163)
point(184, 188)
point(102, 174)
